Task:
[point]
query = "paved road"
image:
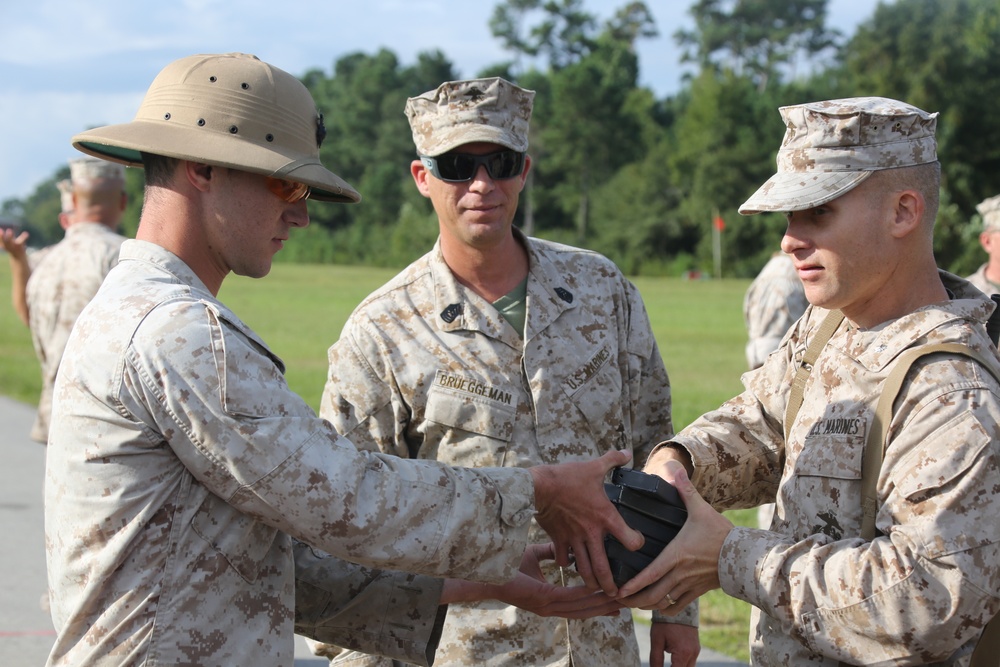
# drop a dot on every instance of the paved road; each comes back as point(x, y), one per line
point(26, 632)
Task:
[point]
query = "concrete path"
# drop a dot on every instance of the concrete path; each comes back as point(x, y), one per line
point(26, 632)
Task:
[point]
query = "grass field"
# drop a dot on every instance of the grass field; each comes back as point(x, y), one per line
point(299, 311)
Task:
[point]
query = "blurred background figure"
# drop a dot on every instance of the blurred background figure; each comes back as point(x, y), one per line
point(987, 278)
point(772, 304)
point(50, 288)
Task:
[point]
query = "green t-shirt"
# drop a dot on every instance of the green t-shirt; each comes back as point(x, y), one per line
point(513, 306)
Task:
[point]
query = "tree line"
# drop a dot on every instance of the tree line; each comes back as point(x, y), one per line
point(635, 177)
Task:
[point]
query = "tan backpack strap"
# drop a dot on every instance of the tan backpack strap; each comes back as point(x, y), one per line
point(816, 345)
point(875, 446)
point(987, 651)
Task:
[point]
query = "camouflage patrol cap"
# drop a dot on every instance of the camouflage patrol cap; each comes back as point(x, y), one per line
point(831, 147)
point(990, 210)
point(65, 195)
point(84, 171)
point(230, 110)
point(491, 110)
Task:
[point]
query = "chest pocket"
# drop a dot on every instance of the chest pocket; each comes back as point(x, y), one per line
point(824, 485)
point(241, 540)
point(467, 422)
point(596, 390)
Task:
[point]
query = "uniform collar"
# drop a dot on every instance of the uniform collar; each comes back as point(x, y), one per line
point(877, 349)
point(457, 307)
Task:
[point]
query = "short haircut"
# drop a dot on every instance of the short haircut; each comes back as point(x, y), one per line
point(159, 169)
point(924, 178)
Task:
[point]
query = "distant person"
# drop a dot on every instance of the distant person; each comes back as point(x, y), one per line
point(496, 349)
point(50, 288)
point(184, 480)
point(24, 259)
point(771, 305)
point(987, 277)
point(903, 571)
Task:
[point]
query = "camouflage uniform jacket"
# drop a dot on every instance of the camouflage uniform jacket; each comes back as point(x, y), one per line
point(426, 368)
point(982, 283)
point(65, 279)
point(774, 300)
point(180, 466)
point(921, 591)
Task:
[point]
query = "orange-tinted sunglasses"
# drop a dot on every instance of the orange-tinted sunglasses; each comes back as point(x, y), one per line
point(290, 191)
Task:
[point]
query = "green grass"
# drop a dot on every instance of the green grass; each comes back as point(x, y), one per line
point(299, 310)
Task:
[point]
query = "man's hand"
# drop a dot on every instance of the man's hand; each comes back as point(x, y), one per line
point(689, 566)
point(16, 246)
point(20, 270)
point(680, 641)
point(657, 462)
point(576, 513)
point(529, 591)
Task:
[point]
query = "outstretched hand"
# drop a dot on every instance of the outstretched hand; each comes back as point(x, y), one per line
point(574, 510)
point(529, 591)
point(689, 566)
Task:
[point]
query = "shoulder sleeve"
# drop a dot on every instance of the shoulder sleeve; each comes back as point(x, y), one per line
point(221, 404)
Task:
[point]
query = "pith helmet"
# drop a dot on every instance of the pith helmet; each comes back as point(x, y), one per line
point(231, 110)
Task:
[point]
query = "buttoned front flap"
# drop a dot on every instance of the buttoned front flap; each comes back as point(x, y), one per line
point(473, 405)
point(596, 390)
point(823, 493)
point(241, 540)
point(467, 422)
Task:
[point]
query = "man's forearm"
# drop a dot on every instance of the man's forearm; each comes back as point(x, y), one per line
point(668, 451)
point(20, 271)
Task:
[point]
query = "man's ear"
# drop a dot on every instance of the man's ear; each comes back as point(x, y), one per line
point(909, 209)
point(527, 168)
point(420, 175)
point(198, 174)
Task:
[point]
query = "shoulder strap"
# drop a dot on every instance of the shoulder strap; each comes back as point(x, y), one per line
point(987, 651)
point(826, 330)
point(875, 446)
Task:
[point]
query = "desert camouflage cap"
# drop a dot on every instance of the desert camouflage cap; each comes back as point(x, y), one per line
point(65, 195)
point(83, 172)
point(491, 110)
point(230, 110)
point(830, 147)
point(990, 210)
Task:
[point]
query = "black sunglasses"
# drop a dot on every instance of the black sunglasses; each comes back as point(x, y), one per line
point(460, 167)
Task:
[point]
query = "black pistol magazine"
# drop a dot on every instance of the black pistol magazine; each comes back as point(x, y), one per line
point(648, 504)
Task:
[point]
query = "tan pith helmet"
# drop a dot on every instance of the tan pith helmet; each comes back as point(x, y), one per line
point(230, 110)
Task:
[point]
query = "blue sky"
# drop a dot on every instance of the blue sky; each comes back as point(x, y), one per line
point(68, 65)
